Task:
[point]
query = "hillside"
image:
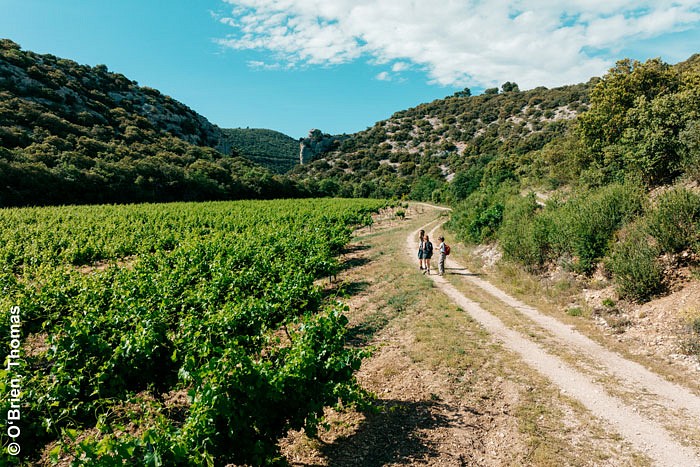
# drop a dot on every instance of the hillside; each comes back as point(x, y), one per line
point(72, 133)
point(272, 149)
point(589, 180)
point(460, 133)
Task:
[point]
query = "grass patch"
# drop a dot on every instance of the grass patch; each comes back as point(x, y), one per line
point(690, 343)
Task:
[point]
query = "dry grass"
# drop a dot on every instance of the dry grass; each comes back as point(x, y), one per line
point(447, 393)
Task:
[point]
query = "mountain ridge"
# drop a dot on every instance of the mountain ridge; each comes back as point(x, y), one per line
point(72, 133)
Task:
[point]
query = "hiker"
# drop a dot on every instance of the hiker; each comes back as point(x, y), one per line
point(420, 249)
point(427, 254)
point(443, 254)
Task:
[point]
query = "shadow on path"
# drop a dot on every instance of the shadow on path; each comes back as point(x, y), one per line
point(394, 434)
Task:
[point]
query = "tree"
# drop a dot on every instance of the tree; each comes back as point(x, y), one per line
point(465, 183)
point(466, 92)
point(424, 187)
point(618, 92)
point(509, 87)
point(637, 112)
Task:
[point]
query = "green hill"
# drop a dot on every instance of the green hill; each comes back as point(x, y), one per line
point(72, 133)
point(272, 149)
point(596, 176)
point(460, 133)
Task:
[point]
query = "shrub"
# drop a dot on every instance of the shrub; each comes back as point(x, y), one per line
point(585, 225)
point(479, 217)
point(633, 262)
point(691, 343)
point(673, 221)
point(523, 235)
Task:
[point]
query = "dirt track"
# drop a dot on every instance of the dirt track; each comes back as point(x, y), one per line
point(659, 418)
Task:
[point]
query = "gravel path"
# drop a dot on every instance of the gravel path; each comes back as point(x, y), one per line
point(655, 415)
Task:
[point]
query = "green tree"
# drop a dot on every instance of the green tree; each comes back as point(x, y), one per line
point(617, 92)
point(466, 92)
point(424, 187)
point(510, 87)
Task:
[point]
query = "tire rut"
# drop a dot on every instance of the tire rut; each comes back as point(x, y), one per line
point(643, 431)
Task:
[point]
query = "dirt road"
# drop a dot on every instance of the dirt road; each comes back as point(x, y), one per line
point(659, 418)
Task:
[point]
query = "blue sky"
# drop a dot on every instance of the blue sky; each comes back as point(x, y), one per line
point(342, 65)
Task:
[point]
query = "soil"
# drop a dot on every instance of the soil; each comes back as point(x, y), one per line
point(596, 407)
point(664, 438)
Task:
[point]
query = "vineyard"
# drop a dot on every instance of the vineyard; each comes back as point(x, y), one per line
point(172, 334)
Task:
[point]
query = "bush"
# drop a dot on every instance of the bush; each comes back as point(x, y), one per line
point(691, 343)
point(523, 235)
point(633, 262)
point(673, 221)
point(585, 225)
point(479, 217)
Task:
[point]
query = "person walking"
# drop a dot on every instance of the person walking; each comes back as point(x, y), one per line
point(442, 249)
point(420, 248)
point(427, 254)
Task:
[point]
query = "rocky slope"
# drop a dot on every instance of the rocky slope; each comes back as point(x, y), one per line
point(72, 133)
point(444, 137)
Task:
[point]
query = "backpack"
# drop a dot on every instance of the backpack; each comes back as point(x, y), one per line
point(428, 248)
point(447, 249)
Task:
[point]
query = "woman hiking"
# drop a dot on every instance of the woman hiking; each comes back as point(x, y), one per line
point(421, 236)
point(427, 254)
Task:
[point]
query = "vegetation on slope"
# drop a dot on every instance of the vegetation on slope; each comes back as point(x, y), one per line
point(623, 178)
point(272, 149)
point(417, 150)
point(605, 153)
point(71, 133)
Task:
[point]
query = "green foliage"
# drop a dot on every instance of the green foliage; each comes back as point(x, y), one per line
point(673, 220)
point(272, 149)
point(72, 134)
point(465, 183)
point(638, 121)
point(424, 188)
point(633, 262)
point(466, 92)
point(579, 230)
point(510, 87)
point(585, 225)
point(214, 301)
point(478, 218)
point(523, 236)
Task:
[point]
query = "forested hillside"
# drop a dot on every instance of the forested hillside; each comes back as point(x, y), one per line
point(589, 176)
point(71, 133)
point(417, 150)
point(272, 149)
point(617, 192)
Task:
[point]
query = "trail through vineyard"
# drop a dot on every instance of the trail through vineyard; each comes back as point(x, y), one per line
point(466, 374)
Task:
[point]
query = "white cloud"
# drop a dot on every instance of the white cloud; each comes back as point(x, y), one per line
point(400, 66)
point(383, 76)
point(459, 42)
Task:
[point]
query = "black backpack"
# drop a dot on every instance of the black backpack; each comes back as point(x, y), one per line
point(429, 248)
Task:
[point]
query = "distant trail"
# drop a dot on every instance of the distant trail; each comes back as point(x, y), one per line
point(643, 424)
